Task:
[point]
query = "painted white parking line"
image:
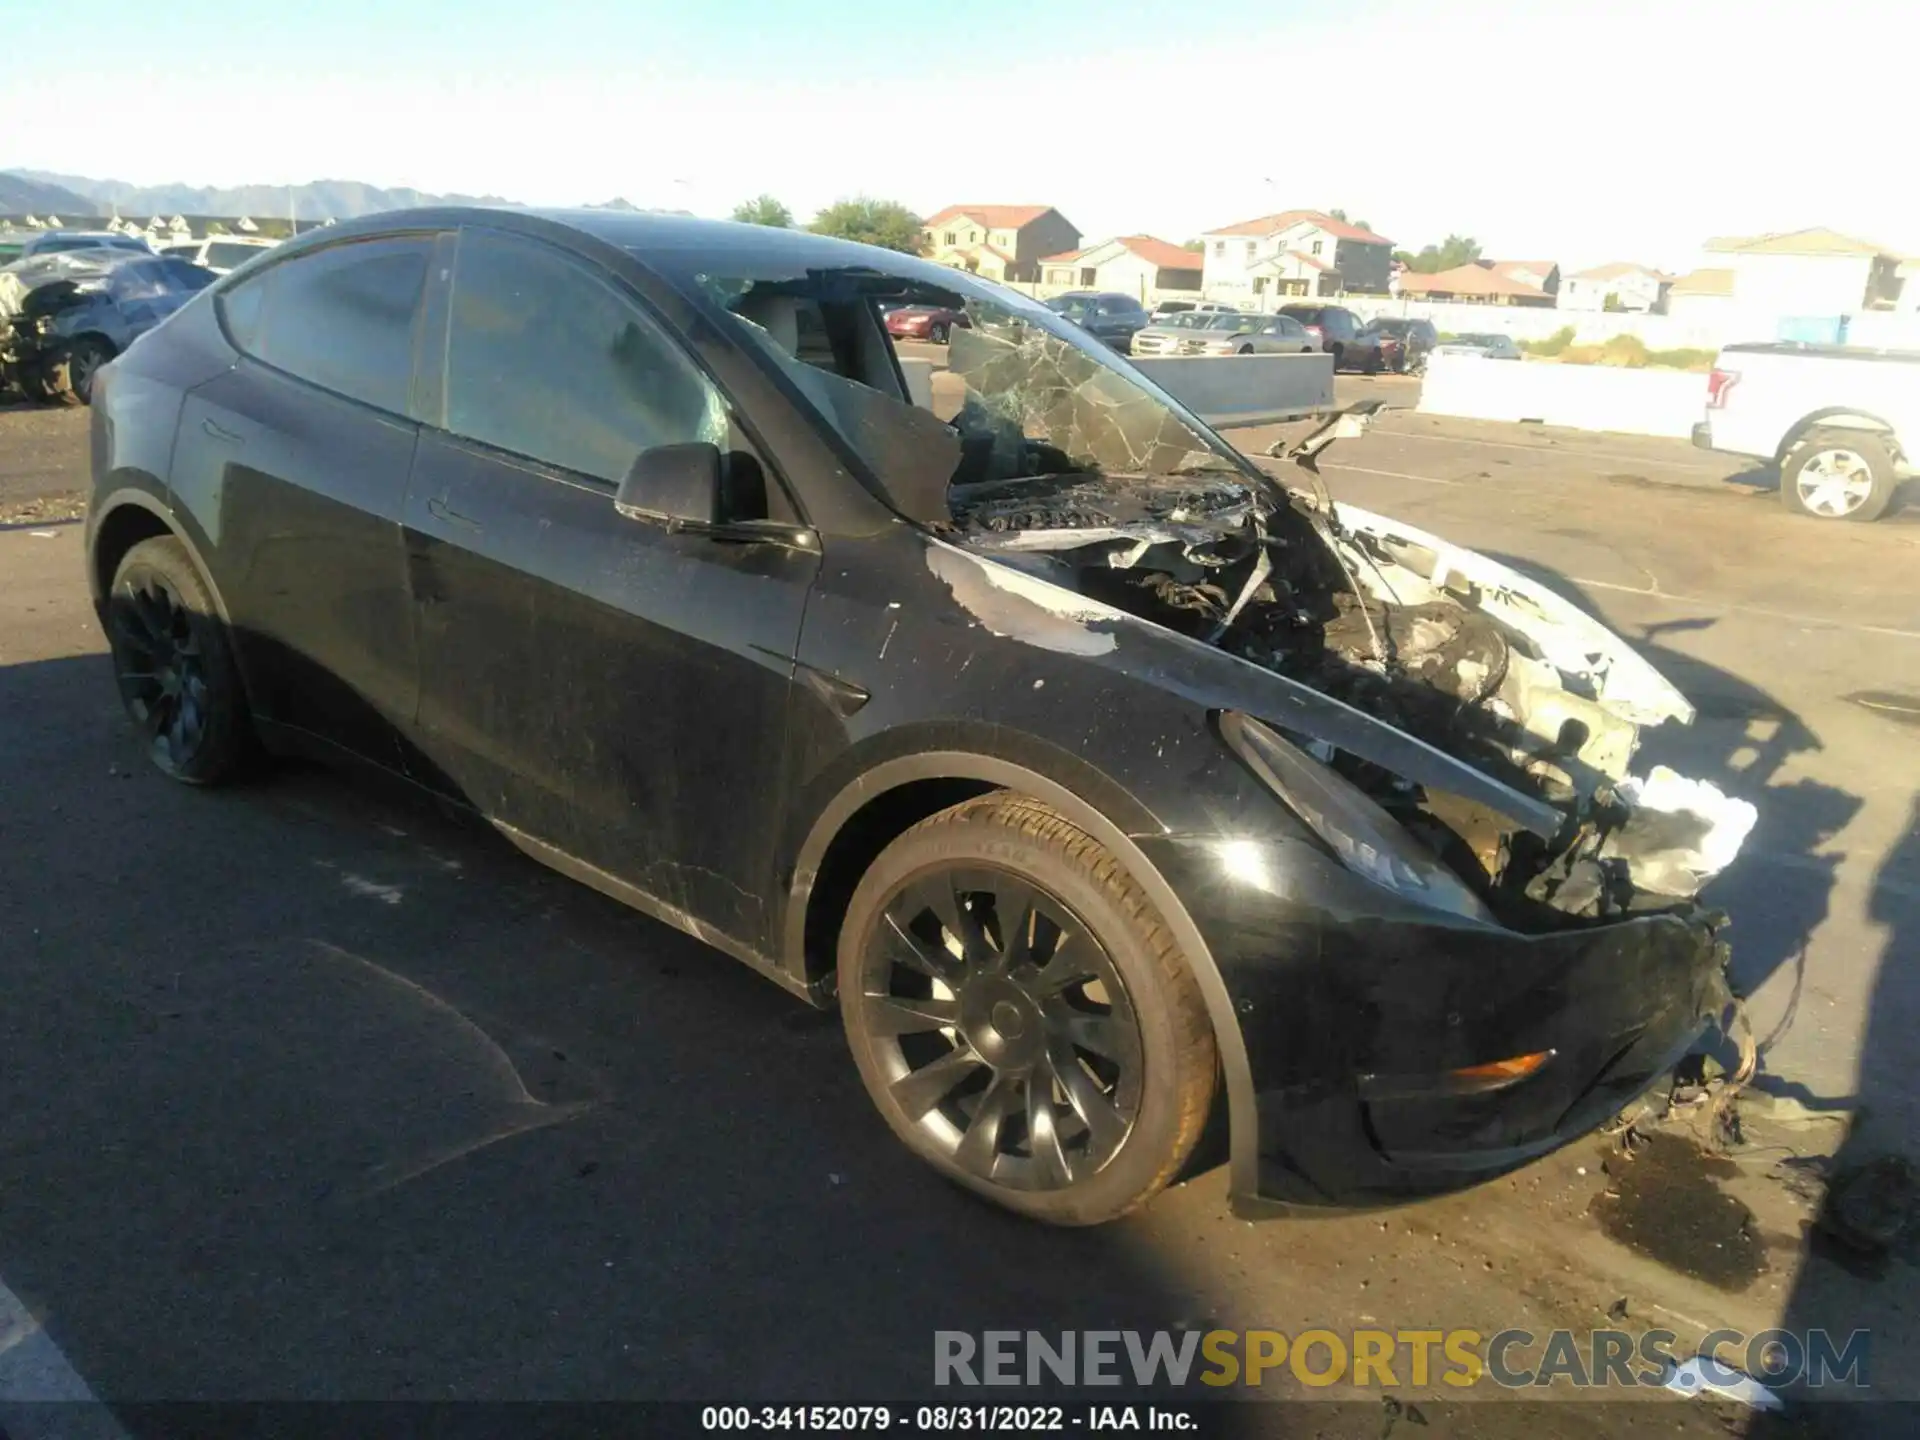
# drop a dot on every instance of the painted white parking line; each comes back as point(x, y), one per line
point(1568, 451)
point(42, 1397)
point(1388, 474)
point(1726, 607)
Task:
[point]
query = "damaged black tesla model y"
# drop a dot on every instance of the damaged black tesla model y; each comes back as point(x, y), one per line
point(1096, 776)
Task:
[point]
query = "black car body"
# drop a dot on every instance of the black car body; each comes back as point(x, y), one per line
point(1341, 335)
point(64, 315)
point(1407, 343)
point(1107, 316)
point(623, 531)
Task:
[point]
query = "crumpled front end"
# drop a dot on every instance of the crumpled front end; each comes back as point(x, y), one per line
point(1462, 654)
point(1484, 937)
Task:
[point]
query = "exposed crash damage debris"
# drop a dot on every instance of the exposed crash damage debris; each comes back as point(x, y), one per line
point(1446, 645)
point(63, 316)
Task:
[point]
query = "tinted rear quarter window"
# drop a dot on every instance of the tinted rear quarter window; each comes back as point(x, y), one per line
point(341, 318)
point(547, 359)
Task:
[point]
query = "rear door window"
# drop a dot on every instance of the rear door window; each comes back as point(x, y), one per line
point(341, 318)
point(547, 359)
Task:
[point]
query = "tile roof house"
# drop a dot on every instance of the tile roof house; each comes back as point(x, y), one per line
point(1294, 252)
point(1478, 281)
point(1543, 275)
point(1137, 265)
point(1618, 285)
point(1000, 242)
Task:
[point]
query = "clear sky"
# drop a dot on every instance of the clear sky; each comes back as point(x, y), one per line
point(1580, 132)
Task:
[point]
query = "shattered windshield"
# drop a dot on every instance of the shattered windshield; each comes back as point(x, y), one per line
point(1024, 394)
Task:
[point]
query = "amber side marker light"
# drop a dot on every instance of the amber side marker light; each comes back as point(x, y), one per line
point(1470, 1080)
point(1497, 1073)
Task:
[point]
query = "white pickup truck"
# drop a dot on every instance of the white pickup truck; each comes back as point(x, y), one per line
point(1842, 423)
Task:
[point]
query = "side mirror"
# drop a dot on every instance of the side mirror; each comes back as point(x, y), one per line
point(678, 484)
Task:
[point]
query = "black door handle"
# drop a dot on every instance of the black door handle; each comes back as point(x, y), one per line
point(219, 433)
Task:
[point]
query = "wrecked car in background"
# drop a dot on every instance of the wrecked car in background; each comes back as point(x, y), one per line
point(1094, 774)
point(64, 315)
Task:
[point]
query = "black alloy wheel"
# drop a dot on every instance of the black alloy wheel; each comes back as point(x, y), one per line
point(937, 333)
point(1020, 1017)
point(163, 679)
point(1005, 1030)
point(173, 667)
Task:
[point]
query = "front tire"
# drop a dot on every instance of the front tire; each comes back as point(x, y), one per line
point(1244, 350)
point(70, 374)
point(174, 666)
point(938, 334)
point(1339, 354)
point(1839, 475)
point(1022, 1017)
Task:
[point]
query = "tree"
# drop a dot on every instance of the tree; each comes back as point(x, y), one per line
point(1454, 251)
point(1341, 216)
point(764, 210)
point(1198, 247)
point(886, 223)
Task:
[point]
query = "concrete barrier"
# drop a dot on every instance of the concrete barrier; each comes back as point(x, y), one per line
point(1581, 397)
point(1229, 390)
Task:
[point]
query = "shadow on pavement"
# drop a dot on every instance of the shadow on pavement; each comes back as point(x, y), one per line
point(1745, 742)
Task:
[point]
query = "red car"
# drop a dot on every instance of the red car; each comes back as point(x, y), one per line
point(925, 322)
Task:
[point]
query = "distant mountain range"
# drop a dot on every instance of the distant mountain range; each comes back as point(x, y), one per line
point(42, 192)
point(21, 196)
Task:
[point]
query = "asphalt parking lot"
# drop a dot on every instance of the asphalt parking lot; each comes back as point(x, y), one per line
point(314, 1091)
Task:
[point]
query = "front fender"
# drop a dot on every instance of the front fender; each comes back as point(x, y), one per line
point(1010, 775)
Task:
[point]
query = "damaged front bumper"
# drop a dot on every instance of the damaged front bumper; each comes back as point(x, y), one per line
point(1391, 1056)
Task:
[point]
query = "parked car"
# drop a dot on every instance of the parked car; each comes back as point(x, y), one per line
point(925, 322)
point(1337, 330)
point(1113, 318)
point(1164, 335)
point(1487, 346)
point(1405, 344)
point(52, 242)
point(218, 253)
point(13, 244)
point(1054, 744)
point(1238, 334)
point(65, 314)
point(1167, 308)
point(1841, 422)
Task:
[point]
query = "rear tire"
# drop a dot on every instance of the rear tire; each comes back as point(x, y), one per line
point(937, 334)
point(1070, 1095)
point(1839, 475)
point(175, 668)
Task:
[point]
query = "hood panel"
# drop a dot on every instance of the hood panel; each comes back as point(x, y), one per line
point(1493, 717)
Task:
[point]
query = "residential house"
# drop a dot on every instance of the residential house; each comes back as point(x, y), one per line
point(1296, 252)
point(1908, 274)
point(1478, 281)
point(1138, 265)
point(1702, 297)
point(1620, 285)
point(1542, 275)
point(1000, 242)
point(1814, 272)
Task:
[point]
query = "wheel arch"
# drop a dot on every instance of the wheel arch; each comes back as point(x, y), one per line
point(1836, 417)
point(122, 521)
point(898, 793)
